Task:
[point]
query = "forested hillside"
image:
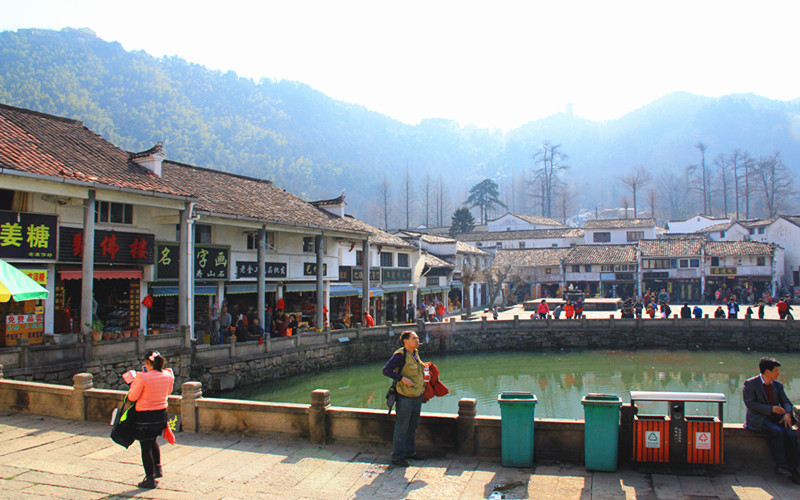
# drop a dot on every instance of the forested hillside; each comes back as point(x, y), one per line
point(317, 147)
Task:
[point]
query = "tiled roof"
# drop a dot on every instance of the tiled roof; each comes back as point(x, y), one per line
point(434, 261)
point(757, 222)
point(725, 248)
point(673, 247)
point(379, 236)
point(680, 236)
point(48, 145)
point(619, 223)
point(794, 219)
point(334, 201)
point(537, 220)
point(462, 247)
point(722, 226)
point(601, 254)
point(228, 194)
point(531, 257)
point(430, 238)
point(535, 234)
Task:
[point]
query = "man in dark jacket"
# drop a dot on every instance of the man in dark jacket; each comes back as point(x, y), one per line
point(686, 312)
point(769, 411)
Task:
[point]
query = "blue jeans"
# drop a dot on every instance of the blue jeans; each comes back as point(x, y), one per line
point(782, 443)
point(405, 428)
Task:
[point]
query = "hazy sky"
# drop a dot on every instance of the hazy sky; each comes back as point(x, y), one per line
point(494, 64)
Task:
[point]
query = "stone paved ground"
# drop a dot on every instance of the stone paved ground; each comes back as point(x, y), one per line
point(44, 457)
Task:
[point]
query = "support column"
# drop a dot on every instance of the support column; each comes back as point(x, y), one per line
point(87, 267)
point(186, 274)
point(319, 247)
point(364, 280)
point(465, 426)
point(317, 421)
point(81, 382)
point(190, 393)
point(262, 271)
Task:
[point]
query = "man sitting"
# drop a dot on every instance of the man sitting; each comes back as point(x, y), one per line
point(769, 411)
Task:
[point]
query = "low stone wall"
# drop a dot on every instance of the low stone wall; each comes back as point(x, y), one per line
point(465, 433)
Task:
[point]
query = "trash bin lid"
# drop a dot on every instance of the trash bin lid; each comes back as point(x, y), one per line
point(702, 397)
point(602, 399)
point(516, 397)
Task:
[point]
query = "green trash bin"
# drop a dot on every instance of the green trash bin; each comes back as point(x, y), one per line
point(601, 431)
point(517, 410)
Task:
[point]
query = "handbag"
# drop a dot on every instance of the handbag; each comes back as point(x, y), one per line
point(123, 425)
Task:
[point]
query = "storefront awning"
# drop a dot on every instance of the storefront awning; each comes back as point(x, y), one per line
point(433, 289)
point(457, 284)
point(249, 288)
point(164, 291)
point(115, 274)
point(373, 292)
point(300, 287)
point(205, 290)
point(401, 287)
point(343, 290)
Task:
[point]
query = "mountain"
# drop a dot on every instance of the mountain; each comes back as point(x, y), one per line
point(316, 147)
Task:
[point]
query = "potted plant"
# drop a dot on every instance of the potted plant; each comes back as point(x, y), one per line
point(97, 329)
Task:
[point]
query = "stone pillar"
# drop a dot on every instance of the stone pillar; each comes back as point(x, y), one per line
point(516, 322)
point(465, 426)
point(262, 271)
point(190, 393)
point(319, 247)
point(186, 273)
point(364, 280)
point(483, 323)
point(87, 270)
point(81, 382)
point(317, 420)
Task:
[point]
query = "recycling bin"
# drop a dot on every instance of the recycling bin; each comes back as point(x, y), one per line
point(601, 431)
point(517, 411)
point(676, 438)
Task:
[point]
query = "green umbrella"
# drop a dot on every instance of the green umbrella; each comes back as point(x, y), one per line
point(14, 283)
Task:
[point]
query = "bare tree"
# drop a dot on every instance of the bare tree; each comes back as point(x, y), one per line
point(651, 199)
point(673, 195)
point(407, 189)
point(470, 273)
point(701, 178)
point(774, 182)
point(385, 200)
point(635, 180)
point(426, 194)
point(551, 161)
point(442, 201)
point(749, 164)
point(723, 171)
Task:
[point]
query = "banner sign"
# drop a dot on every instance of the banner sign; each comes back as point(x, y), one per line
point(310, 269)
point(723, 271)
point(374, 274)
point(28, 236)
point(110, 247)
point(396, 275)
point(210, 261)
point(249, 269)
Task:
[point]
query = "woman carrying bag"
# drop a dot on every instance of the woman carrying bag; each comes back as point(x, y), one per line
point(150, 390)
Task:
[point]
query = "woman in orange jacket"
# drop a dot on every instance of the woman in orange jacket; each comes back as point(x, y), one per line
point(569, 310)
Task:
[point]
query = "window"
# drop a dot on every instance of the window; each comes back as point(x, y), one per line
point(694, 262)
point(602, 237)
point(576, 269)
point(252, 240)
point(684, 263)
point(714, 261)
point(522, 244)
point(478, 244)
point(114, 213)
point(588, 268)
point(554, 245)
point(762, 230)
point(359, 257)
point(202, 233)
point(722, 234)
point(607, 268)
point(656, 264)
point(761, 261)
point(308, 244)
point(402, 260)
point(752, 230)
point(386, 259)
point(499, 244)
point(7, 199)
point(635, 235)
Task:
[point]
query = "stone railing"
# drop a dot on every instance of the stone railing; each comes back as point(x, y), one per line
point(466, 433)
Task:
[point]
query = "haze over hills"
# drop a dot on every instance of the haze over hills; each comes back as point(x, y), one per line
point(317, 147)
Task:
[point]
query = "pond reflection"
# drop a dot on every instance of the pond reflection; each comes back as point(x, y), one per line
point(559, 380)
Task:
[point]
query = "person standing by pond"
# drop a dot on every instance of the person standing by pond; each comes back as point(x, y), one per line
point(150, 390)
point(406, 367)
point(769, 411)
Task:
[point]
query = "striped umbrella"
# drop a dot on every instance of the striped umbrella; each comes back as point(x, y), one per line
point(17, 285)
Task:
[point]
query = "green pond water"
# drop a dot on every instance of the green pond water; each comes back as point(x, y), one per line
point(558, 379)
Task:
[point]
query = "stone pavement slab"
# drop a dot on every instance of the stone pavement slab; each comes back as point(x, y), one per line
point(45, 457)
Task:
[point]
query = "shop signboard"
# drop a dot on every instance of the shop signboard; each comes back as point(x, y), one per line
point(249, 269)
point(624, 276)
point(310, 269)
point(210, 261)
point(656, 275)
point(28, 236)
point(396, 275)
point(345, 274)
point(37, 275)
point(431, 281)
point(607, 276)
point(374, 274)
point(110, 247)
point(723, 271)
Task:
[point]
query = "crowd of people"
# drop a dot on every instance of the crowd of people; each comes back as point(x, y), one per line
point(241, 324)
